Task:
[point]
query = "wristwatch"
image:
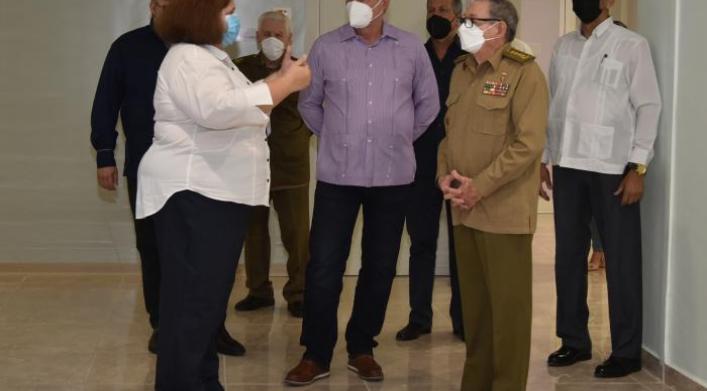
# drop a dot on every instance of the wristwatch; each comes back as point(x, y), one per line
point(641, 169)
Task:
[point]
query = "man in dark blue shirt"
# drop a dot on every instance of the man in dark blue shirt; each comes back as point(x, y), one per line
point(426, 199)
point(126, 88)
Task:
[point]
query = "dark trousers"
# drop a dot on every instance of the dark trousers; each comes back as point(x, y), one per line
point(335, 211)
point(200, 240)
point(422, 218)
point(579, 195)
point(146, 243)
point(292, 206)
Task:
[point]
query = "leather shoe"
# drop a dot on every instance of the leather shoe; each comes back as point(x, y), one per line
point(252, 303)
point(411, 332)
point(296, 309)
point(226, 345)
point(152, 344)
point(366, 367)
point(567, 356)
point(617, 367)
point(305, 373)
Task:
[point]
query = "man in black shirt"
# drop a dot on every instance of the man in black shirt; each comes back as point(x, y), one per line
point(422, 218)
point(126, 88)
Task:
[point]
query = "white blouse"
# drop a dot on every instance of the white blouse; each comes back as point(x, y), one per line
point(209, 133)
point(605, 103)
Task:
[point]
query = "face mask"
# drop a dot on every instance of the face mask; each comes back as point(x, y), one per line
point(586, 10)
point(360, 14)
point(472, 39)
point(273, 48)
point(234, 28)
point(438, 27)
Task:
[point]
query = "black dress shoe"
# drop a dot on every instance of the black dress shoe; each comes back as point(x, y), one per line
point(296, 309)
point(567, 356)
point(252, 303)
point(152, 344)
point(225, 344)
point(459, 334)
point(411, 332)
point(617, 367)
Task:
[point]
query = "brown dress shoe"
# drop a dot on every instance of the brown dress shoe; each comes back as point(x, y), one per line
point(366, 367)
point(306, 373)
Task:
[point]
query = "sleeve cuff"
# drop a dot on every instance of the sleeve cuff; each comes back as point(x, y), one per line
point(259, 94)
point(105, 158)
point(640, 156)
point(483, 185)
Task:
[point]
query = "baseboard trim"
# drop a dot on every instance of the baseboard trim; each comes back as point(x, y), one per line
point(652, 364)
point(680, 381)
point(671, 376)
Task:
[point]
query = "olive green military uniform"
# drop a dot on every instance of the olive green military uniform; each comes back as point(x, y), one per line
point(289, 163)
point(496, 123)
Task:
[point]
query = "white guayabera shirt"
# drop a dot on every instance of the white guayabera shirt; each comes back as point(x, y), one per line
point(209, 132)
point(605, 102)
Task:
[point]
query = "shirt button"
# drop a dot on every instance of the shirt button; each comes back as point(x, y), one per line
point(370, 65)
point(370, 83)
point(370, 102)
point(370, 122)
point(370, 141)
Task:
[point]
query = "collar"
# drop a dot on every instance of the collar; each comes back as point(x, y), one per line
point(347, 32)
point(454, 50)
point(600, 30)
point(494, 61)
point(216, 52)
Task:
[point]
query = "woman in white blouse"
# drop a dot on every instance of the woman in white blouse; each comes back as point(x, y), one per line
point(208, 166)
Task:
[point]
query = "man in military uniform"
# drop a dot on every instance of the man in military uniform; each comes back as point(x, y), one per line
point(289, 154)
point(489, 169)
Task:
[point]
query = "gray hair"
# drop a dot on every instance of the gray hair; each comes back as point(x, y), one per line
point(277, 16)
point(507, 13)
point(458, 7)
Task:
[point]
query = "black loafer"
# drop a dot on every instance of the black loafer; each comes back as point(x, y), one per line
point(411, 332)
point(252, 303)
point(567, 356)
point(296, 309)
point(617, 367)
point(152, 344)
point(227, 345)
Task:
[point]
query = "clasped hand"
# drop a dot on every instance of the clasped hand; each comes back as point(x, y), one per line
point(459, 190)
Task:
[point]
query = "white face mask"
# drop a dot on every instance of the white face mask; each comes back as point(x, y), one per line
point(360, 14)
point(273, 48)
point(472, 38)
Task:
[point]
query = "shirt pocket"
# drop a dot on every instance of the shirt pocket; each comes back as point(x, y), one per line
point(596, 141)
point(611, 74)
point(492, 115)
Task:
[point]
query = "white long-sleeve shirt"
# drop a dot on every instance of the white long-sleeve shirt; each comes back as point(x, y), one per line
point(605, 102)
point(209, 133)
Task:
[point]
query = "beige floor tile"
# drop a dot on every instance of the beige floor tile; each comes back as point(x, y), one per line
point(89, 331)
point(128, 369)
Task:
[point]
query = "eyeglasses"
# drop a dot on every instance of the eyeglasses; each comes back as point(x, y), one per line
point(471, 22)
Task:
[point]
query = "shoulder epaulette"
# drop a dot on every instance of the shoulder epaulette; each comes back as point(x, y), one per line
point(518, 55)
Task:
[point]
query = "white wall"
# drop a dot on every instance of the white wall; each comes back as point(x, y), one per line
point(656, 21)
point(674, 213)
point(686, 341)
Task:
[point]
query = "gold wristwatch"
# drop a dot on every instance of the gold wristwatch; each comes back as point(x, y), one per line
point(641, 169)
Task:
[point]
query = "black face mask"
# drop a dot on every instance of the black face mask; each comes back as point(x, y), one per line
point(586, 10)
point(438, 27)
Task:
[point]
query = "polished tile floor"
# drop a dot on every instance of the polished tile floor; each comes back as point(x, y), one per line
point(88, 332)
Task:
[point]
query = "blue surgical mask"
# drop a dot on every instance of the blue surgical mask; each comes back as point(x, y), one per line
point(234, 28)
